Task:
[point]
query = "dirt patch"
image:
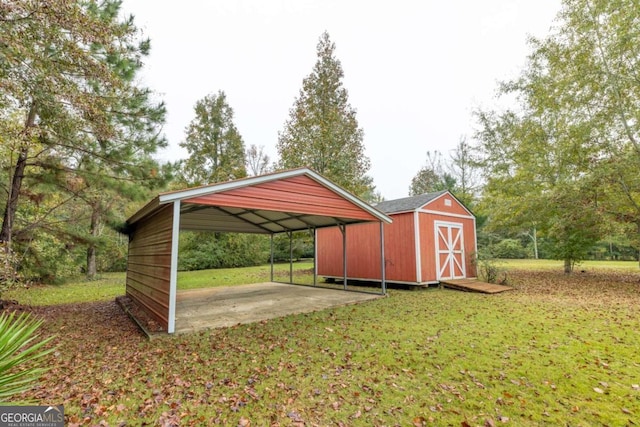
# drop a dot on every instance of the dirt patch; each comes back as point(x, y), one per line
point(10, 306)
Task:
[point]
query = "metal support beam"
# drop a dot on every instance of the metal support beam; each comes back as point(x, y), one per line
point(343, 230)
point(382, 262)
point(290, 233)
point(315, 258)
point(271, 257)
point(173, 275)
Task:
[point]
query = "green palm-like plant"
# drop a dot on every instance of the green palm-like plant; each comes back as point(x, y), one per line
point(18, 349)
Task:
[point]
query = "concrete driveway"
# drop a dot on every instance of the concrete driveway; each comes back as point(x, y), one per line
point(227, 306)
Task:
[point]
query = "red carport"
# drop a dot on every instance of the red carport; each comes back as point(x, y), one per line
point(281, 202)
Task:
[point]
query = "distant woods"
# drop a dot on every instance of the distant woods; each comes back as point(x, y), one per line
point(78, 135)
point(555, 175)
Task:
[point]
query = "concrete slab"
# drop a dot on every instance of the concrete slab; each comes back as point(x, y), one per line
point(227, 306)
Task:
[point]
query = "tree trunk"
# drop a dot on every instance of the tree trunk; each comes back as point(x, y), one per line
point(568, 266)
point(16, 184)
point(638, 225)
point(92, 269)
point(535, 243)
point(12, 201)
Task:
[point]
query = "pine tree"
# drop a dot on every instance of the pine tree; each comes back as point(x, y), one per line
point(216, 154)
point(68, 70)
point(216, 149)
point(322, 131)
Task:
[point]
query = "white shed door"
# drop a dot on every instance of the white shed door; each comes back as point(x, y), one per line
point(449, 250)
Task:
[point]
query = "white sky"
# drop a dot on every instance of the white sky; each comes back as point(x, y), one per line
point(415, 70)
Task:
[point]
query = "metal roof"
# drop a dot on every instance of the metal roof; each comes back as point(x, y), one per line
point(408, 204)
point(251, 219)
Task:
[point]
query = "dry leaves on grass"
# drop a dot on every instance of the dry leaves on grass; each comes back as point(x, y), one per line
point(346, 367)
point(588, 287)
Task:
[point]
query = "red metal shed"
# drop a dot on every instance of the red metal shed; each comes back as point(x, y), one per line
point(432, 238)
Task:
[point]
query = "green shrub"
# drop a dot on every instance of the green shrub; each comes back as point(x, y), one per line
point(509, 249)
point(490, 272)
point(199, 251)
point(302, 246)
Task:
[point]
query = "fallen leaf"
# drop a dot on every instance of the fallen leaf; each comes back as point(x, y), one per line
point(419, 422)
point(598, 390)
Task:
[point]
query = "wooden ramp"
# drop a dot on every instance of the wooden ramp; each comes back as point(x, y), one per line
point(474, 285)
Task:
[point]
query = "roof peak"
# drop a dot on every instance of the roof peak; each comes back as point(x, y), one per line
point(409, 203)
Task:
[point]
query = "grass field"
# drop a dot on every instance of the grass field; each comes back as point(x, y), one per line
point(110, 285)
point(558, 350)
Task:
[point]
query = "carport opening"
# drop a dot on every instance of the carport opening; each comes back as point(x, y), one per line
point(285, 258)
point(268, 294)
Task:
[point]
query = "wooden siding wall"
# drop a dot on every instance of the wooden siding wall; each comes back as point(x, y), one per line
point(428, 244)
point(399, 249)
point(149, 264)
point(363, 237)
point(363, 250)
point(440, 206)
point(299, 194)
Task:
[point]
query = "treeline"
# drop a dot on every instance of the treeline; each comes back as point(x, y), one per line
point(560, 164)
point(554, 175)
point(80, 134)
point(563, 162)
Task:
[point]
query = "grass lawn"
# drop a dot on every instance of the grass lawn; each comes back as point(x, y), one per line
point(110, 285)
point(557, 350)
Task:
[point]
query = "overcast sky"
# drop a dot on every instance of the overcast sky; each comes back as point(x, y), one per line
point(415, 70)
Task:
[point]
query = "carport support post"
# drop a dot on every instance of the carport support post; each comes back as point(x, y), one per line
point(343, 229)
point(271, 257)
point(173, 274)
point(290, 233)
point(315, 257)
point(382, 266)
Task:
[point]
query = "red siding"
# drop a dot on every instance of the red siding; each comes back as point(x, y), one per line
point(439, 205)
point(329, 252)
point(362, 239)
point(428, 244)
point(399, 249)
point(363, 250)
point(299, 194)
point(400, 246)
